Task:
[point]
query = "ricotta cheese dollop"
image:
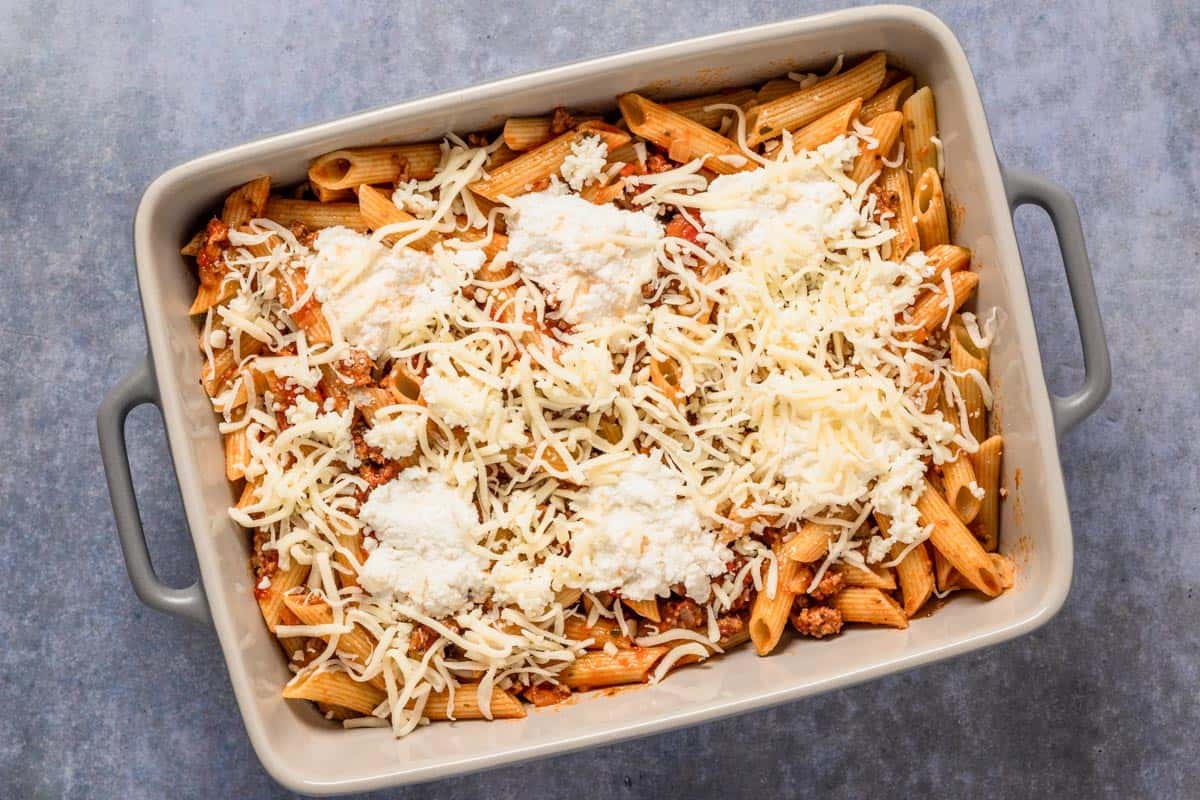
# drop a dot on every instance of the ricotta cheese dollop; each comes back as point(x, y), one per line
point(641, 535)
point(593, 259)
point(427, 555)
point(373, 294)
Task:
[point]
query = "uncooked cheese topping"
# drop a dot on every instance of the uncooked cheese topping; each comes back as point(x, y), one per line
point(681, 395)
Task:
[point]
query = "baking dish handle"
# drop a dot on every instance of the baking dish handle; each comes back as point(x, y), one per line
point(138, 387)
point(1025, 188)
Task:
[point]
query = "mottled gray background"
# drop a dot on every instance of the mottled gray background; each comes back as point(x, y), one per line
point(100, 697)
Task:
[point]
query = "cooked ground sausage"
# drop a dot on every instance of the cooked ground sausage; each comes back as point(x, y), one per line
point(817, 621)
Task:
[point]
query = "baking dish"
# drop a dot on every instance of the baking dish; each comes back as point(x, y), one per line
point(308, 754)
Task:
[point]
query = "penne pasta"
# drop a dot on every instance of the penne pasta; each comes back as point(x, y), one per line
point(246, 202)
point(920, 126)
point(885, 131)
point(352, 167)
point(519, 175)
point(466, 705)
point(521, 374)
point(314, 215)
point(827, 128)
point(964, 357)
point(599, 669)
point(775, 89)
point(1005, 569)
point(498, 158)
point(332, 195)
point(929, 205)
point(526, 133)
point(946, 576)
point(810, 543)
point(215, 375)
point(915, 573)
point(696, 108)
point(931, 311)
point(334, 688)
point(682, 138)
point(873, 578)
point(958, 482)
point(769, 615)
point(872, 606)
point(647, 609)
point(602, 633)
point(947, 258)
point(378, 211)
point(988, 462)
point(791, 111)
point(889, 99)
point(952, 539)
point(893, 182)
point(313, 610)
point(271, 596)
point(293, 291)
point(237, 454)
point(212, 295)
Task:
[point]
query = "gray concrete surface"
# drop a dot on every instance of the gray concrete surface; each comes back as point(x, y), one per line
point(100, 697)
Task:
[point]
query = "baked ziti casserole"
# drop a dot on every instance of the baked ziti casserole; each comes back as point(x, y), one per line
point(520, 414)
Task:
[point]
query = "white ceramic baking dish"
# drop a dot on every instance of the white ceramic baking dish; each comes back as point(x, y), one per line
point(307, 753)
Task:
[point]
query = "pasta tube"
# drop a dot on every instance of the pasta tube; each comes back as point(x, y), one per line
point(929, 203)
point(795, 110)
point(889, 99)
point(885, 130)
point(378, 211)
point(915, 572)
point(894, 182)
point(988, 463)
point(810, 543)
point(335, 688)
point(964, 357)
point(769, 615)
point(931, 311)
point(682, 138)
point(359, 644)
point(958, 481)
point(538, 164)
point(827, 128)
point(314, 215)
point(695, 108)
point(872, 606)
point(352, 167)
point(647, 609)
point(597, 669)
point(246, 202)
point(920, 126)
point(952, 539)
